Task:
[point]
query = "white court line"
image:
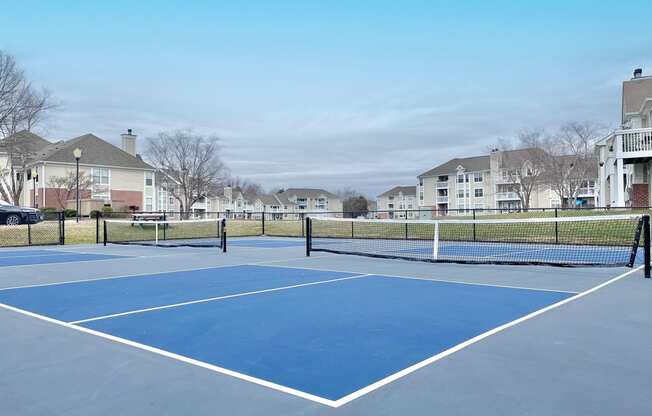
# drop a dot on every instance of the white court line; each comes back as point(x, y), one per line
point(380, 383)
point(154, 273)
point(428, 279)
point(236, 295)
point(217, 369)
point(332, 403)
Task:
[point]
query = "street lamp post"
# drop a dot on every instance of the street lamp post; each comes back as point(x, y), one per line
point(77, 154)
point(34, 173)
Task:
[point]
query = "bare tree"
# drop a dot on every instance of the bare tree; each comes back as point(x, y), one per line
point(65, 187)
point(570, 162)
point(22, 107)
point(523, 166)
point(250, 189)
point(191, 160)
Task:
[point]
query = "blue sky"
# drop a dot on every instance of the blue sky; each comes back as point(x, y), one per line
point(336, 94)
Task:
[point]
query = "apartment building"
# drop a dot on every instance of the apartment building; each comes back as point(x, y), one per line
point(398, 202)
point(486, 182)
point(312, 200)
point(118, 176)
point(625, 155)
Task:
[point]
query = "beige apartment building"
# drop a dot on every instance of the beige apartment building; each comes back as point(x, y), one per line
point(485, 182)
point(119, 178)
point(398, 202)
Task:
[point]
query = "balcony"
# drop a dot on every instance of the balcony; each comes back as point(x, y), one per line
point(442, 199)
point(504, 179)
point(442, 185)
point(507, 196)
point(632, 143)
point(586, 192)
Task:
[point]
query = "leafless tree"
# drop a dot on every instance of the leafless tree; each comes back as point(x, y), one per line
point(250, 189)
point(22, 107)
point(65, 187)
point(570, 161)
point(193, 161)
point(523, 163)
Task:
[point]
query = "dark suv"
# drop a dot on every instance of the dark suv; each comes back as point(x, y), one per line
point(13, 215)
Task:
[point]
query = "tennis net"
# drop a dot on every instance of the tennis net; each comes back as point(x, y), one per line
point(171, 233)
point(565, 241)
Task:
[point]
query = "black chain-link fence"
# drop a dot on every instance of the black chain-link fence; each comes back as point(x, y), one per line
point(33, 231)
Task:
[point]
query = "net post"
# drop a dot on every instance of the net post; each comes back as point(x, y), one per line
point(474, 231)
point(156, 223)
point(646, 245)
point(223, 223)
point(29, 233)
point(165, 218)
point(262, 221)
point(104, 224)
point(308, 229)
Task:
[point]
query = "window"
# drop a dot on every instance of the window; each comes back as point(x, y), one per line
point(320, 203)
point(390, 206)
point(442, 178)
point(479, 193)
point(148, 204)
point(149, 178)
point(477, 177)
point(302, 203)
point(460, 193)
point(460, 178)
point(420, 182)
point(100, 188)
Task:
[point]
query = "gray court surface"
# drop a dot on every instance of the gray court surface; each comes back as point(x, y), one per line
point(589, 356)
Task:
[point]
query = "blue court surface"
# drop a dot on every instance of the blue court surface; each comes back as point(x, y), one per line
point(33, 257)
point(322, 333)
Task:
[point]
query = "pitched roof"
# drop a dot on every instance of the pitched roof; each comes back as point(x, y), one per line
point(635, 92)
point(470, 164)
point(268, 199)
point(26, 140)
point(308, 193)
point(405, 190)
point(95, 151)
point(283, 199)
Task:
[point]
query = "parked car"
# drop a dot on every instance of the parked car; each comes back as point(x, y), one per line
point(13, 215)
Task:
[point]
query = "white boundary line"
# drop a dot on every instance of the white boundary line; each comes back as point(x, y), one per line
point(219, 266)
point(177, 357)
point(380, 383)
point(348, 398)
point(215, 298)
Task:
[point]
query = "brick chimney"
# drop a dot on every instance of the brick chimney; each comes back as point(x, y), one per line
point(638, 72)
point(129, 142)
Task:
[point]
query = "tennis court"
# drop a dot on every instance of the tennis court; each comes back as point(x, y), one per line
point(264, 329)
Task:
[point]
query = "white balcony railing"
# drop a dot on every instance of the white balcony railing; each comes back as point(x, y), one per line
point(506, 196)
point(636, 140)
point(442, 185)
point(586, 192)
point(442, 199)
point(504, 179)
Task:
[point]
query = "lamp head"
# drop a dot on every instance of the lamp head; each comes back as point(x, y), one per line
point(77, 153)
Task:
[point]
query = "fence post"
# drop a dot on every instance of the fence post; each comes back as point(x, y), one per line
point(97, 227)
point(303, 224)
point(165, 226)
point(63, 227)
point(556, 227)
point(29, 233)
point(263, 221)
point(474, 232)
